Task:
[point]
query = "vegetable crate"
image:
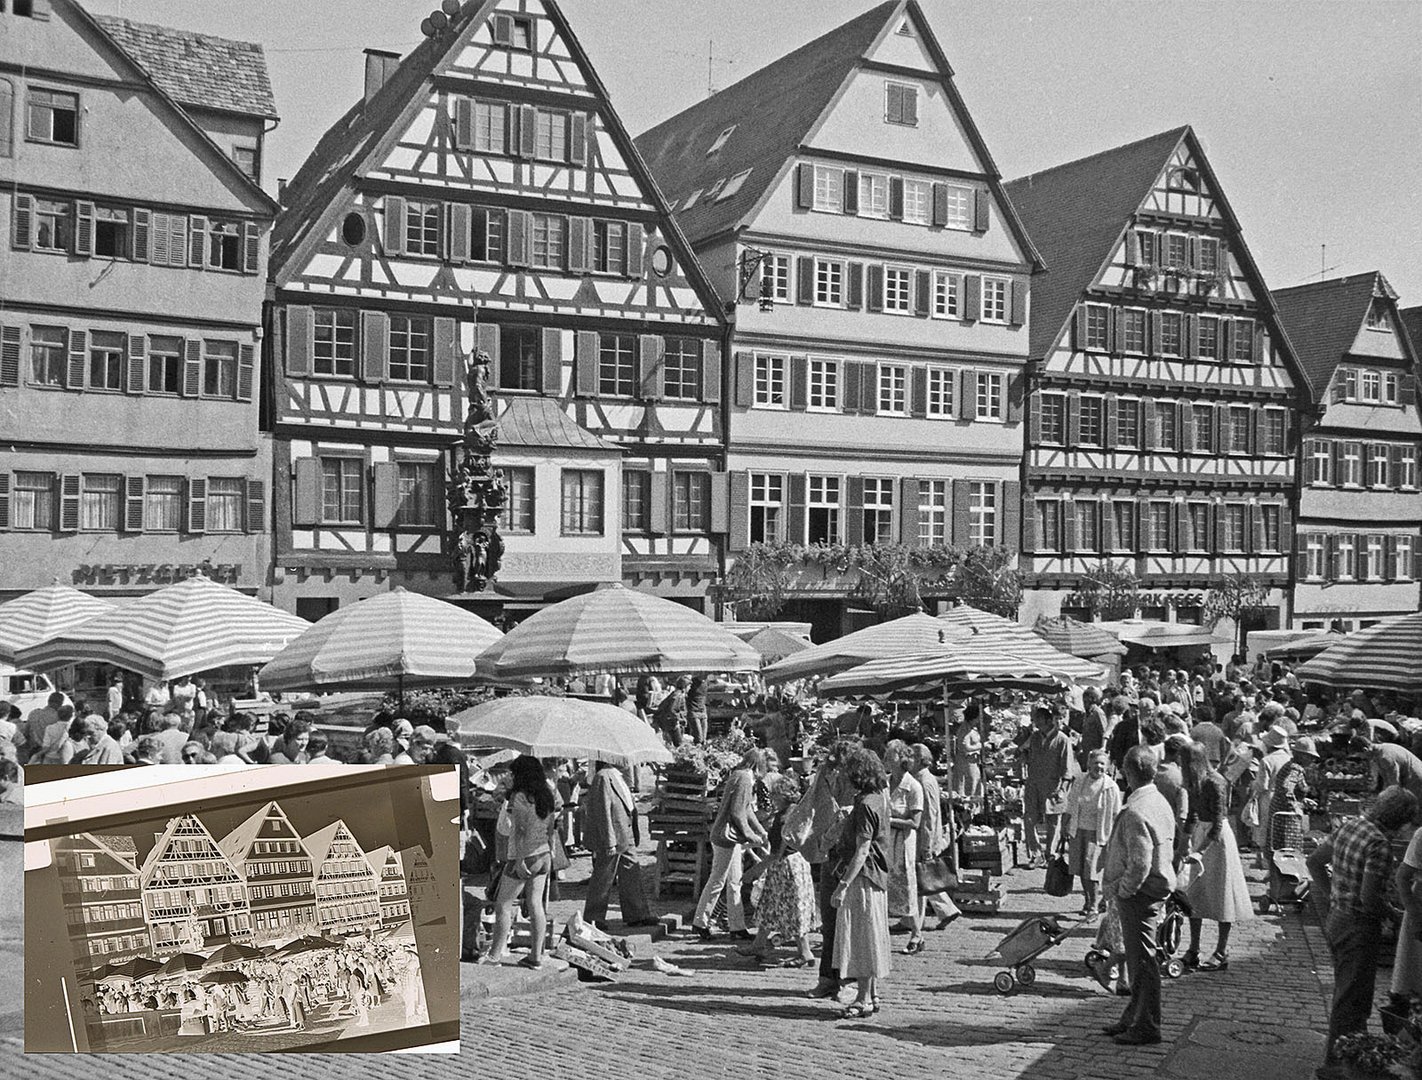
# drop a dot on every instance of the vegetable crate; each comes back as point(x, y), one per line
point(681, 825)
point(976, 894)
point(980, 848)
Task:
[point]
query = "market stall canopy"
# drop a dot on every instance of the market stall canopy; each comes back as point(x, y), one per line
point(193, 625)
point(232, 953)
point(995, 632)
point(1385, 656)
point(773, 644)
point(912, 635)
point(225, 976)
point(1153, 635)
point(1084, 640)
point(140, 967)
point(616, 629)
point(1297, 645)
point(43, 614)
point(182, 963)
point(966, 668)
point(396, 640)
point(561, 727)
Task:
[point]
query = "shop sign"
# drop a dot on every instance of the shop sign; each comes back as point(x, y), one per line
point(1145, 599)
point(154, 573)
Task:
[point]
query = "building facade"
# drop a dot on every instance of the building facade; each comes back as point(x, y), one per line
point(268, 854)
point(1359, 543)
point(347, 888)
point(133, 255)
point(103, 903)
point(484, 196)
point(1162, 418)
point(849, 213)
point(194, 900)
point(394, 894)
point(421, 886)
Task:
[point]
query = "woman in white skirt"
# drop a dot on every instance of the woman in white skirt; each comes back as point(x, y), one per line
point(1219, 891)
point(905, 814)
point(1407, 968)
point(861, 862)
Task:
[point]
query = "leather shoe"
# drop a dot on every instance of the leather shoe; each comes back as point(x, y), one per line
point(742, 935)
point(1136, 1038)
point(1114, 1029)
point(703, 932)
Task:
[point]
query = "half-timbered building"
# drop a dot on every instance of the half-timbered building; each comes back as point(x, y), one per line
point(848, 210)
point(267, 852)
point(1162, 426)
point(483, 195)
point(1359, 530)
point(103, 904)
point(347, 888)
point(193, 897)
point(394, 893)
point(133, 257)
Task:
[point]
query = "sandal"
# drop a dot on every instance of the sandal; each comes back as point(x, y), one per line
point(857, 1010)
point(914, 946)
point(1191, 959)
point(1218, 962)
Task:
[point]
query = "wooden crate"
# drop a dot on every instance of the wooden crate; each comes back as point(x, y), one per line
point(683, 865)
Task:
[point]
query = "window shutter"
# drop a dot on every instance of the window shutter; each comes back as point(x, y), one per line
point(1034, 421)
point(896, 198)
point(1227, 340)
point(1019, 303)
point(1338, 478)
point(918, 396)
point(512, 116)
point(1010, 520)
point(720, 494)
point(133, 504)
point(711, 372)
point(503, 29)
point(852, 390)
point(527, 131)
point(795, 509)
point(1078, 328)
point(444, 352)
point(197, 241)
point(1407, 390)
point(487, 338)
point(909, 511)
point(137, 364)
point(1185, 429)
point(851, 191)
point(854, 511)
point(799, 383)
point(159, 254)
point(197, 505)
point(516, 253)
point(854, 290)
point(552, 383)
point(246, 371)
point(456, 232)
point(1109, 540)
point(649, 357)
point(256, 506)
point(251, 247)
point(869, 389)
point(69, 502)
point(142, 229)
point(1300, 556)
point(738, 531)
point(300, 325)
point(385, 494)
point(9, 356)
point(982, 211)
point(306, 506)
point(4, 500)
point(1111, 424)
point(394, 237)
point(1030, 519)
point(578, 139)
point(1073, 418)
point(192, 368)
point(1150, 428)
point(1133, 248)
point(1192, 337)
point(874, 294)
point(804, 280)
point(960, 513)
point(22, 227)
point(374, 345)
point(83, 227)
point(1016, 390)
point(636, 248)
point(922, 293)
point(1157, 333)
point(804, 186)
point(588, 346)
point(972, 297)
point(579, 230)
point(1394, 466)
point(940, 205)
point(745, 379)
point(659, 500)
point(78, 359)
point(967, 395)
point(1389, 558)
point(463, 123)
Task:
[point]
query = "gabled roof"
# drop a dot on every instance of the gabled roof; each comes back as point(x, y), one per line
point(376, 857)
point(1323, 319)
point(166, 836)
point(1076, 213)
point(236, 843)
point(319, 843)
point(1412, 326)
point(120, 848)
point(541, 422)
point(198, 69)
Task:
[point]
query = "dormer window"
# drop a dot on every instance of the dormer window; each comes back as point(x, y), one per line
point(720, 140)
point(1377, 317)
point(733, 185)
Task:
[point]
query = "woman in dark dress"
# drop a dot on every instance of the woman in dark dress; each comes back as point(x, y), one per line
point(861, 942)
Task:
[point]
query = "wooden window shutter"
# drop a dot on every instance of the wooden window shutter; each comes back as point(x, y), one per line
point(1016, 391)
point(22, 225)
point(306, 505)
point(192, 367)
point(578, 138)
point(940, 205)
point(374, 345)
point(745, 379)
point(580, 229)
point(711, 372)
point(854, 511)
point(1157, 333)
point(246, 371)
point(1338, 459)
point(1192, 337)
point(854, 288)
point(896, 198)
point(78, 359)
point(909, 511)
point(967, 395)
point(503, 29)
point(1227, 340)
point(445, 348)
point(799, 383)
point(251, 247)
point(636, 250)
point(300, 331)
point(385, 494)
point(874, 293)
point(720, 503)
point(589, 344)
point(961, 518)
point(1150, 429)
point(197, 505)
point(69, 502)
point(4, 500)
point(1339, 388)
point(1185, 429)
point(1112, 423)
point(851, 191)
point(1407, 390)
point(1300, 556)
point(552, 358)
point(133, 504)
point(83, 227)
point(1109, 540)
point(1078, 328)
point(1254, 535)
point(852, 389)
point(1394, 466)
point(197, 241)
point(918, 395)
point(795, 509)
point(650, 370)
point(516, 244)
point(1019, 303)
point(1010, 520)
point(1389, 558)
point(1034, 420)
point(394, 235)
point(922, 293)
point(1073, 418)
point(456, 233)
point(142, 230)
point(972, 297)
point(512, 116)
point(463, 123)
point(527, 131)
point(804, 186)
point(869, 388)
point(256, 506)
point(804, 280)
point(1254, 448)
point(738, 498)
point(982, 211)
point(488, 340)
point(9, 356)
point(1133, 248)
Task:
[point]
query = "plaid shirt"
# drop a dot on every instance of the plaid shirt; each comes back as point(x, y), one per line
point(1359, 848)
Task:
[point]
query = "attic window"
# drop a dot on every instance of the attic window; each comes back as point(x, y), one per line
point(691, 199)
point(733, 185)
point(353, 229)
point(1185, 180)
point(1377, 317)
point(721, 140)
point(906, 29)
point(713, 191)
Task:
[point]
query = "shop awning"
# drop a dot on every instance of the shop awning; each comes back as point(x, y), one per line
point(1160, 635)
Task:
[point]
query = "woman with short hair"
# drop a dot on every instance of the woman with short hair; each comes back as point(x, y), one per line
point(861, 858)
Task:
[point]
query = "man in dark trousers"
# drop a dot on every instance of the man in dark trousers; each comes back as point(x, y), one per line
point(1046, 756)
point(608, 834)
point(1139, 874)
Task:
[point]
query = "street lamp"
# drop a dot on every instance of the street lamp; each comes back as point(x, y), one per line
point(752, 278)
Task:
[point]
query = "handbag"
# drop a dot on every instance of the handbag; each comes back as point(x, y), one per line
point(1059, 876)
point(561, 861)
point(935, 876)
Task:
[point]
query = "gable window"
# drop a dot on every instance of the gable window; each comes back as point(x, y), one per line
point(225, 495)
point(1170, 333)
point(995, 300)
point(1369, 386)
point(893, 389)
point(1377, 317)
point(901, 104)
point(823, 384)
point(1052, 409)
point(932, 512)
point(822, 510)
point(1177, 247)
point(550, 142)
point(421, 227)
point(1379, 460)
point(767, 502)
point(550, 241)
point(1350, 383)
point(99, 502)
point(486, 235)
point(1209, 331)
point(1209, 255)
point(32, 501)
point(960, 207)
point(165, 365)
point(1402, 558)
point(898, 289)
point(829, 189)
point(53, 227)
point(1244, 341)
point(410, 348)
point(520, 358)
point(617, 365)
point(829, 282)
point(681, 369)
point(1128, 422)
point(1049, 525)
point(1133, 331)
point(52, 116)
point(940, 392)
point(111, 233)
point(775, 278)
point(947, 295)
point(1145, 247)
point(770, 381)
point(873, 195)
point(1273, 431)
point(224, 245)
point(333, 347)
point(989, 395)
point(918, 202)
point(582, 502)
point(878, 510)
point(1093, 420)
point(1352, 465)
point(490, 127)
point(982, 513)
point(691, 502)
point(609, 247)
point(1098, 327)
point(521, 33)
point(1407, 467)
point(106, 360)
point(219, 369)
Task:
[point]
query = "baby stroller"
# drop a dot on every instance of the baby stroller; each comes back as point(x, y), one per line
point(1167, 940)
point(1017, 950)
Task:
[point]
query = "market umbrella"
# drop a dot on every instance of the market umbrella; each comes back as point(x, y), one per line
point(393, 640)
point(1305, 647)
point(1079, 639)
point(182, 963)
point(40, 615)
point(137, 968)
point(224, 976)
point(775, 644)
point(1385, 656)
point(968, 668)
point(232, 953)
point(995, 632)
point(306, 943)
point(616, 629)
point(191, 626)
point(561, 727)
point(912, 635)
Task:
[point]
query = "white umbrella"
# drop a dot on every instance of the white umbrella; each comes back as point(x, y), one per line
point(561, 727)
point(967, 667)
point(37, 616)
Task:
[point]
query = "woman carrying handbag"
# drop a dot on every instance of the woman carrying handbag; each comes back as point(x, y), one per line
point(936, 868)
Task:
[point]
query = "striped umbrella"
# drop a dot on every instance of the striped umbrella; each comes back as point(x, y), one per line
point(912, 635)
point(965, 668)
point(1078, 638)
point(616, 629)
point(775, 644)
point(1303, 648)
point(994, 632)
point(1385, 656)
point(182, 963)
point(561, 727)
point(396, 639)
point(191, 626)
point(42, 614)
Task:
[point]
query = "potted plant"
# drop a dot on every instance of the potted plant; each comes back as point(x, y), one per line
point(1369, 1057)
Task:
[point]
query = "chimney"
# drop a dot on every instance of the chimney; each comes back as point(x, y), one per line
point(380, 64)
point(281, 191)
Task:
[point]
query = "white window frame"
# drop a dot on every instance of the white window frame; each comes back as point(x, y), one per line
point(933, 512)
point(918, 202)
point(775, 277)
point(1087, 512)
point(829, 282)
point(1104, 343)
point(1390, 388)
point(1379, 466)
point(996, 300)
point(820, 500)
point(1152, 541)
point(1315, 558)
point(822, 382)
point(960, 207)
point(1122, 346)
point(1243, 338)
point(1402, 555)
point(1184, 262)
point(1048, 540)
point(1321, 464)
point(1212, 244)
point(942, 383)
point(771, 381)
point(829, 190)
point(1214, 321)
point(1407, 468)
point(1370, 386)
point(1058, 399)
point(1128, 407)
point(1374, 557)
point(882, 503)
point(983, 513)
point(1346, 561)
point(1352, 465)
point(989, 387)
point(874, 195)
point(898, 298)
point(767, 492)
point(1099, 442)
point(1165, 349)
point(947, 295)
point(893, 390)
point(1268, 418)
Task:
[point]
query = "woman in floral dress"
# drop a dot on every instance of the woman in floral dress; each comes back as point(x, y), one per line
point(788, 910)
